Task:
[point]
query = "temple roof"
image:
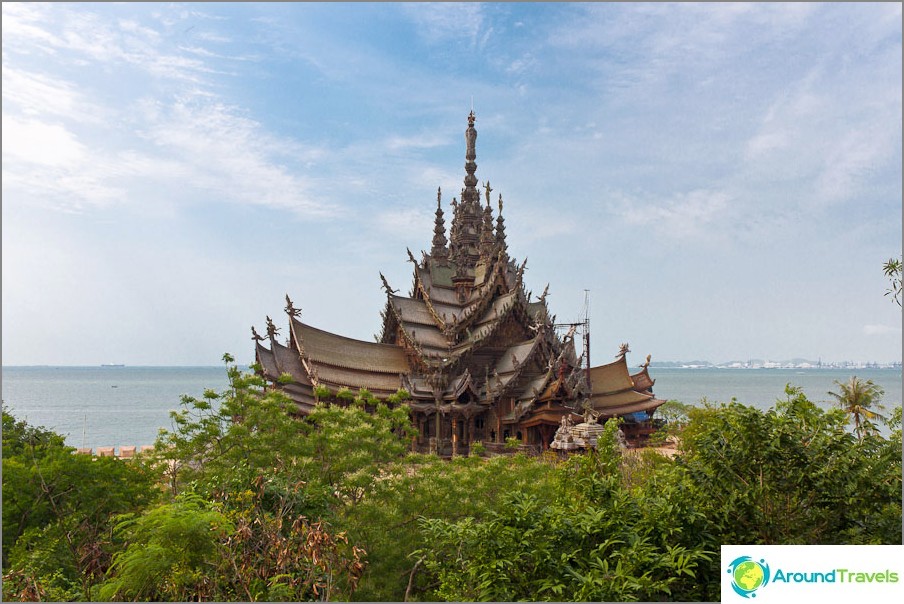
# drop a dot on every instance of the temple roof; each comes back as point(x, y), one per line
point(613, 390)
point(331, 349)
point(611, 378)
point(642, 380)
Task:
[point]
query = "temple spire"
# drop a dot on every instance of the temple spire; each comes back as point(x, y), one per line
point(500, 229)
point(487, 240)
point(470, 193)
point(439, 250)
point(467, 222)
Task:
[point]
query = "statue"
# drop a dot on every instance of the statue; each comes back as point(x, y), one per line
point(388, 289)
point(256, 336)
point(488, 190)
point(290, 308)
point(545, 293)
point(623, 350)
point(272, 329)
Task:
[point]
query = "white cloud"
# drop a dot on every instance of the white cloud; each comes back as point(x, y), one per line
point(41, 143)
point(880, 330)
point(235, 157)
point(443, 21)
point(683, 215)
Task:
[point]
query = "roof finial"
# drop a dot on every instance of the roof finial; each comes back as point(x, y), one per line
point(272, 329)
point(290, 308)
point(500, 229)
point(388, 289)
point(439, 249)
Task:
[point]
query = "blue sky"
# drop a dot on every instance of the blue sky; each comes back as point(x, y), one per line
point(725, 179)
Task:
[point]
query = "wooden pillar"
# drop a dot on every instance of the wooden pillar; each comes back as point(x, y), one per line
point(454, 436)
point(439, 430)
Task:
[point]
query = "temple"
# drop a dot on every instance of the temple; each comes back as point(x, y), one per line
point(480, 359)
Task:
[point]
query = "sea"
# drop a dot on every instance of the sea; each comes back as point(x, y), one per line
point(127, 406)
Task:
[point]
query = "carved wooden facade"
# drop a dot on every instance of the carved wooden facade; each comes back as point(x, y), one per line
point(481, 360)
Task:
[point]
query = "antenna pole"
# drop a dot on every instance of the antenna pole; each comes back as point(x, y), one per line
point(587, 332)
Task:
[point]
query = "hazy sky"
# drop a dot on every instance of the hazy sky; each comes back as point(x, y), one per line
point(725, 179)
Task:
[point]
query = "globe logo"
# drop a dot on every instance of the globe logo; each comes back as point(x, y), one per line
point(748, 575)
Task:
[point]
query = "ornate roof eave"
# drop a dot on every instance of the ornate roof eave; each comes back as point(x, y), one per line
point(484, 298)
point(306, 362)
point(519, 367)
point(410, 341)
point(419, 286)
point(518, 313)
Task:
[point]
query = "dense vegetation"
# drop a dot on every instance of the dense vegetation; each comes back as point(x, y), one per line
point(242, 501)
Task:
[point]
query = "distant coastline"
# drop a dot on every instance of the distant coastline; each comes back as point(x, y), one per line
point(767, 364)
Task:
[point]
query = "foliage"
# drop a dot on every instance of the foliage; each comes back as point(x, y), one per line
point(790, 475)
point(57, 509)
point(386, 522)
point(477, 448)
point(595, 540)
point(193, 549)
point(856, 398)
point(260, 504)
point(892, 270)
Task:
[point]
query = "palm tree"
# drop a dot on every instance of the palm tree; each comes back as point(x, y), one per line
point(856, 398)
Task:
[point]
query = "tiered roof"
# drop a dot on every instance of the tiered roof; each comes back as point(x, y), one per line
point(614, 391)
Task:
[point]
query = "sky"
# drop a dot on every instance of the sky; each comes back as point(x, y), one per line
point(725, 180)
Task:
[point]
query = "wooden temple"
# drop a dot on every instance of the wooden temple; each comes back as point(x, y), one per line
point(480, 359)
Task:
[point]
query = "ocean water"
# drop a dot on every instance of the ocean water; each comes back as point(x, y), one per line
point(104, 406)
point(121, 406)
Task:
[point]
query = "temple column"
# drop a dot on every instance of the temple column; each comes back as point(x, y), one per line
point(454, 436)
point(439, 429)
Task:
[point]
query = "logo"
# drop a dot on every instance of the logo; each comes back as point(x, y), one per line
point(748, 575)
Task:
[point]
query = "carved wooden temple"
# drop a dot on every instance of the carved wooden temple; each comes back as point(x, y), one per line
point(480, 359)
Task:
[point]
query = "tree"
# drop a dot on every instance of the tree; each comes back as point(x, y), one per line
point(57, 512)
point(789, 475)
point(584, 537)
point(856, 398)
point(892, 269)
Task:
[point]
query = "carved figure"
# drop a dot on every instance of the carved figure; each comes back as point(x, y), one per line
point(272, 330)
point(290, 308)
point(388, 289)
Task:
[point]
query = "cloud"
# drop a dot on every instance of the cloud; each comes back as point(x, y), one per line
point(37, 142)
point(235, 157)
point(439, 22)
point(684, 215)
point(880, 330)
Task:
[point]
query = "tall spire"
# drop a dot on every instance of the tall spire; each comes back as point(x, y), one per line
point(439, 250)
point(466, 224)
point(487, 240)
point(500, 229)
point(471, 194)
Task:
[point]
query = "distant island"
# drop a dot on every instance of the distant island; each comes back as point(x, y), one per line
point(768, 364)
